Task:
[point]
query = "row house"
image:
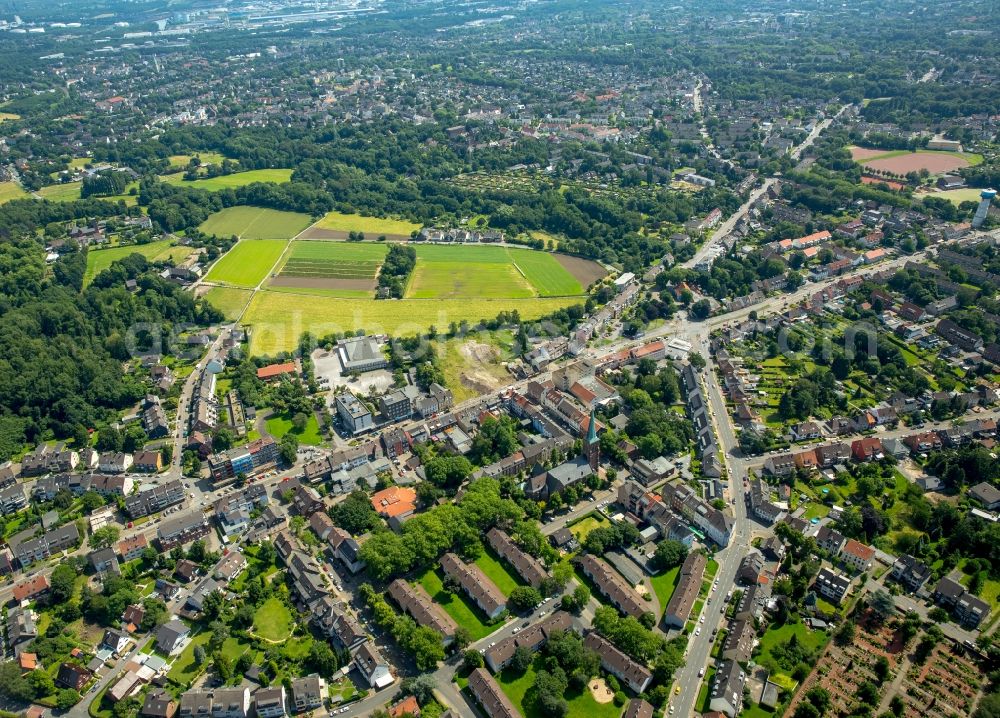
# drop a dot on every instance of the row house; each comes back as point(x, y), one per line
point(483, 592)
point(611, 585)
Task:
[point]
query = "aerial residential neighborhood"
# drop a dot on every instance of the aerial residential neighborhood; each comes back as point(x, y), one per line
point(569, 359)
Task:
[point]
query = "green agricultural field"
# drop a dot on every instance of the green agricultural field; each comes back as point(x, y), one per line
point(247, 263)
point(273, 621)
point(451, 272)
point(456, 605)
point(454, 280)
point(228, 300)
point(333, 260)
point(371, 226)
point(497, 572)
point(63, 192)
point(545, 273)
point(278, 318)
point(100, 259)
point(237, 179)
point(255, 223)
point(580, 705)
point(11, 190)
point(278, 426)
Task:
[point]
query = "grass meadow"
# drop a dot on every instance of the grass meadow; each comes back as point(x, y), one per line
point(237, 179)
point(255, 223)
point(11, 190)
point(100, 259)
point(371, 226)
point(247, 263)
point(228, 300)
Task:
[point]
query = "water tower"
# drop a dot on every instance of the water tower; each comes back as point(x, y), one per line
point(987, 196)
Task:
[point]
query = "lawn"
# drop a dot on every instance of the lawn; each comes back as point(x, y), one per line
point(255, 223)
point(584, 526)
point(664, 585)
point(455, 605)
point(248, 263)
point(279, 318)
point(273, 621)
point(11, 190)
point(233, 648)
point(494, 569)
point(237, 179)
point(185, 667)
point(966, 194)
point(371, 226)
point(545, 273)
point(228, 300)
point(781, 634)
point(278, 426)
point(581, 705)
point(100, 259)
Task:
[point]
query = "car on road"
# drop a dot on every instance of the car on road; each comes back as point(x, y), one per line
point(677, 689)
point(697, 631)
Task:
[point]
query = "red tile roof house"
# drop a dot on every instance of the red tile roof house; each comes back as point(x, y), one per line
point(856, 555)
point(275, 371)
point(31, 588)
point(866, 449)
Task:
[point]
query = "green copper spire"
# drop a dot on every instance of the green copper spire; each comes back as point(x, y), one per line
point(592, 429)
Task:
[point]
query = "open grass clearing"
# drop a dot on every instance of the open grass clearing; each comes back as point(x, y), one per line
point(206, 158)
point(456, 605)
point(372, 227)
point(247, 263)
point(966, 194)
point(228, 300)
point(517, 687)
point(279, 318)
point(498, 573)
point(278, 426)
point(248, 222)
point(100, 259)
point(237, 179)
point(62, 192)
point(11, 190)
point(273, 621)
point(584, 526)
point(663, 586)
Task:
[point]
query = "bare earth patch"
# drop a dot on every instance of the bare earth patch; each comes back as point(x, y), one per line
point(365, 285)
point(584, 271)
point(865, 153)
point(914, 162)
point(477, 378)
point(600, 691)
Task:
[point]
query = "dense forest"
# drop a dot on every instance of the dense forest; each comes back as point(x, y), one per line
point(63, 347)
